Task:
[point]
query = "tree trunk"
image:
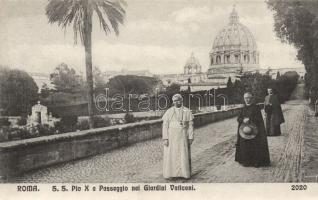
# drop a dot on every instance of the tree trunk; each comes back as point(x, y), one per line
point(89, 71)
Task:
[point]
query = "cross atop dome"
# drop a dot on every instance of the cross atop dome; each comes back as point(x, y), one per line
point(234, 18)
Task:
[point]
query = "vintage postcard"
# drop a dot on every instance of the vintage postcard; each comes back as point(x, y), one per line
point(158, 99)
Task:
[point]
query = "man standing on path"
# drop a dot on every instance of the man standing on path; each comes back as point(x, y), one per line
point(274, 114)
point(177, 135)
point(251, 146)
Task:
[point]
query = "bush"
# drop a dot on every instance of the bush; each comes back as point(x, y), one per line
point(67, 124)
point(4, 122)
point(146, 118)
point(218, 107)
point(101, 122)
point(82, 125)
point(45, 130)
point(69, 120)
point(22, 121)
point(15, 134)
point(7, 133)
point(25, 133)
point(129, 118)
point(4, 134)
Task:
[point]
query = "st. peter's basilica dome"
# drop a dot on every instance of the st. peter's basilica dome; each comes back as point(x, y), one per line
point(234, 47)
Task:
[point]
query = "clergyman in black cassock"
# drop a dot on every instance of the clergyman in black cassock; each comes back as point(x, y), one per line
point(252, 152)
point(274, 114)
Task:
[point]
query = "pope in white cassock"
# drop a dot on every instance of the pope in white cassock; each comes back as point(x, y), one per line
point(177, 134)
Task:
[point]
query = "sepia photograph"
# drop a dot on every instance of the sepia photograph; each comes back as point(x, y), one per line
point(167, 93)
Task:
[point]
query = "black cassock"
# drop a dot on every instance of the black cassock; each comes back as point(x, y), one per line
point(274, 115)
point(253, 152)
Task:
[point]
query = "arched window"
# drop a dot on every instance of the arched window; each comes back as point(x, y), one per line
point(246, 58)
point(211, 61)
point(237, 59)
point(218, 59)
point(227, 58)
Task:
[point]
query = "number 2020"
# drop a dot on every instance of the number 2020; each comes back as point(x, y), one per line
point(299, 187)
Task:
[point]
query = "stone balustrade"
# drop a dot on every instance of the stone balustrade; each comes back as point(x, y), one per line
point(20, 156)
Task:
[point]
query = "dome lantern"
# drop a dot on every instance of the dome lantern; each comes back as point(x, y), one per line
point(234, 18)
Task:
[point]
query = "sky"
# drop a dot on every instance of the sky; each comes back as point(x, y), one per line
point(158, 35)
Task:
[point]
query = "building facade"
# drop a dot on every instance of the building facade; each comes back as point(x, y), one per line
point(192, 74)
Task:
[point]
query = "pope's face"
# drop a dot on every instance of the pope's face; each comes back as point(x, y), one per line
point(270, 91)
point(177, 103)
point(248, 98)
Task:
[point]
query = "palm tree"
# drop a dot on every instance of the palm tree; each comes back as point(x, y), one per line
point(79, 13)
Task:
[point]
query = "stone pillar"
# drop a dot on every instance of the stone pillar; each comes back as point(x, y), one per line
point(231, 58)
point(222, 58)
point(211, 58)
point(242, 58)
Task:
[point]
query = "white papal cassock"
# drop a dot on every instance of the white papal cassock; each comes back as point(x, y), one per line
point(177, 128)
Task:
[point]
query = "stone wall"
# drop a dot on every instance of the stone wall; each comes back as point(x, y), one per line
point(20, 156)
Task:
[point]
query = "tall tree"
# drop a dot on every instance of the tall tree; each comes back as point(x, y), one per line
point(296, 22)
point(99, 80)
point(229, 83)
point(173, 89)
point(79, 13)
point(131, 84)
point(278, 75)
point(45, 91)
point(18, 92)
point(65, 79)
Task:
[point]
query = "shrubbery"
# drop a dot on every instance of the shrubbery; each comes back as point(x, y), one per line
point(98, 123)
point(82, 125)
point(101, 121)
point(3, 134)
point(67, 124)
point(18, 91)
point(258, 83)
point(14, 133)
point(22, 121)
point(129, 118)
point(45, 130)
point(4, 122)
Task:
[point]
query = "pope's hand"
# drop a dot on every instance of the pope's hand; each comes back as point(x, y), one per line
point(166, 142)
point(190, 141)
point(246, 120)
